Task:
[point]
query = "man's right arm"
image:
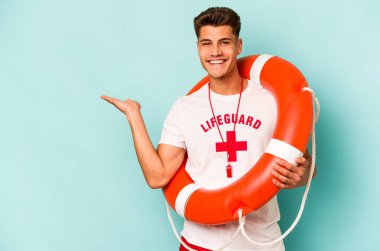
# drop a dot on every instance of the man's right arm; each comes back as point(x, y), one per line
point(158, 166)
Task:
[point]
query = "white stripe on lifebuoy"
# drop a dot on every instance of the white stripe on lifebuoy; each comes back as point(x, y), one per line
point(257, 66)
point(183, 196)
point(283, 150)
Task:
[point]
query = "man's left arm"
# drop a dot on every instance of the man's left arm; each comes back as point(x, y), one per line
point(288, 176)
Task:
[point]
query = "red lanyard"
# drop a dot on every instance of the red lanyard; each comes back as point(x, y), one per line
point(228, 167)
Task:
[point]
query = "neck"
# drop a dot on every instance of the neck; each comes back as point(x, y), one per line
point(227, 85)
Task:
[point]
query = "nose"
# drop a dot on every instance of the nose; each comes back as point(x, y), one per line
point(216, 51)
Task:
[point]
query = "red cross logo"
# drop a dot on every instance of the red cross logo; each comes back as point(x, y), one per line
point(231, 145)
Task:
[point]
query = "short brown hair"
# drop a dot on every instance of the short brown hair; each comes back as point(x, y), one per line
point(217, 16)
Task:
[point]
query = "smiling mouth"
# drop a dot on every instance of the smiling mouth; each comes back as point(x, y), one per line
point(216, 62)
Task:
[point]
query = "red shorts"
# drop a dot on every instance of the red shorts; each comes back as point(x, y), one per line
point(182, 248)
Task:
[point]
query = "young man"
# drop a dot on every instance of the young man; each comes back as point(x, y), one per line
point(228, 109)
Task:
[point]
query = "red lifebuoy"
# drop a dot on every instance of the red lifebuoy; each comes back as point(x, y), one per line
point(289, 140)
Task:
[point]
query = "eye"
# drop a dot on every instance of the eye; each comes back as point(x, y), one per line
point(205, 43)
point(225, 42)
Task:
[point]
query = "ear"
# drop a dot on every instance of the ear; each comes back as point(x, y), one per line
point(240, 45)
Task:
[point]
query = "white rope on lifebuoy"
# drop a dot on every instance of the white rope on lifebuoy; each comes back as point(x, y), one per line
point(317, 112)
point(304, 197)
point(240, 212)
point(175, 229)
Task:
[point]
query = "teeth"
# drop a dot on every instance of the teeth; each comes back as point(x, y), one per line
point(216, 61)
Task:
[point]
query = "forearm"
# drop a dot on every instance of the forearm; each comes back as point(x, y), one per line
point(150, 162)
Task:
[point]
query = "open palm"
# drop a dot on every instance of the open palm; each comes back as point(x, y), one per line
point(126, 106)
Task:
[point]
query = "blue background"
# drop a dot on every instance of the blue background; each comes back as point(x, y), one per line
point(69, 177)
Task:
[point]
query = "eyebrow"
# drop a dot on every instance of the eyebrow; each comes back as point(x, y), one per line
point(224, 38)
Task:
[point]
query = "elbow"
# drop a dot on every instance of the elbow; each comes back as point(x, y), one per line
point(154, 185)
point(157, 183)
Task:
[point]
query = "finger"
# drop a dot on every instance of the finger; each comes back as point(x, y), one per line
point(286, 164)
point(109, 99)
point(105, 97)
point(301, 167)
point(279, 184)
point(284, 171)
point(301, 161)
point(115, 102)
point(291, 178)
point(283, 179)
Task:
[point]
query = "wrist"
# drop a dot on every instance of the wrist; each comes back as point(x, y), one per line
point(132, 115)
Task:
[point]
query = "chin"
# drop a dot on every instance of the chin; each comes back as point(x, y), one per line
point(218, 75)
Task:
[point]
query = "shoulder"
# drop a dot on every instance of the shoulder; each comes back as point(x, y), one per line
point(194, 98)
point(256, 89)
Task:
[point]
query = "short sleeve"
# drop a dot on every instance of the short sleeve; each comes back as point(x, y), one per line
point(172, 131)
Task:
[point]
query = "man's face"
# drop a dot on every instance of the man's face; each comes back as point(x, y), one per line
point(218, 48)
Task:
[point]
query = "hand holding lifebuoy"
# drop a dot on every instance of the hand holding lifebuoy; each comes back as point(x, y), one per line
point(127, 106)
point(290, 176)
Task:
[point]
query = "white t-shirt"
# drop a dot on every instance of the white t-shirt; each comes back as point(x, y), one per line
point(190, 124)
